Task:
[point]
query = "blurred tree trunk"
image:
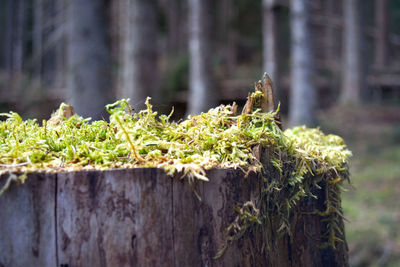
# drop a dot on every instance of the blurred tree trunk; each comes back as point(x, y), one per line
point(8, 38)
point(60, 28)
point(270, 52)
point(88, 57)
point(303, 92)
point(18, 37)
point(202, 94)
point(37, 38)
point(381, 45)
point(329, 40)
point(172, 8)
point(351, 70)
point(139, 56)
point(228, 36)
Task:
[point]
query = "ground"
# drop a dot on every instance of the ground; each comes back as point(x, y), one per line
point(372, 204)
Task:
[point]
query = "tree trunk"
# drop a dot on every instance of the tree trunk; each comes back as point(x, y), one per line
point(60, 28)
point(139, 57)
point(329, 44)
point(303, 91)
point(38, 38)
point(270, 41)
point(142, 217)
point(8, 42)
point(227, 36)
point(381, 44)
point(202, 94)
point(351, 71)
point(18, 38)
point(172, 10)
point(88, 57)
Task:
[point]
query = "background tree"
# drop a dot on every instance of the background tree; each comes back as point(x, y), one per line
point(37, 40)
point(139, 52)
point(270, 40)
point(351, 55)
point(202, 94)
point(88, 57)
point(303, 92)
point(381, 49)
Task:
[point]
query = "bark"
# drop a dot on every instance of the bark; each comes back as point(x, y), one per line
point(381, 45)
point(329, 43)
point(134, 217)
point(88, 57)
point(8, 46)
point(38, 38)
point(270, 41)
point(18, 37)
point(228, 36)
point(60, 47)
point(302, 91)
point(202, 94)
point(172, 8)
point(27, 231)
point(139, 57)
point(351, 55)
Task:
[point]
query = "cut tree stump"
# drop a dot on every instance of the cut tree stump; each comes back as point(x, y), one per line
point(142, 217)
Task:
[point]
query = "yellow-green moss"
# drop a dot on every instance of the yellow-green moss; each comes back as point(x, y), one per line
point(302, 157)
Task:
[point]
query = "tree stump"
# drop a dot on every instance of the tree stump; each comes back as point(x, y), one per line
point(142, 217)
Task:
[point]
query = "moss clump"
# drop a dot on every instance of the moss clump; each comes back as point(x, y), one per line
point(216, 139)
point(290, 163)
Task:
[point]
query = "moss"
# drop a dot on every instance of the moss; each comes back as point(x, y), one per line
point(290, 163)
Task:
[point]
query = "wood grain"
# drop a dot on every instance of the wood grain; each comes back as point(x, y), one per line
point(142, 217)
point(27, 226)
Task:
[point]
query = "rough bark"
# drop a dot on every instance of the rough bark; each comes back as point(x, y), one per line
point(202, 94)
point(351, 70)
point(270, 41)
point(27, 225)
point(139, 55)
point(142, 217)
point(88, 58)
point(117, 218)
point(302, 91)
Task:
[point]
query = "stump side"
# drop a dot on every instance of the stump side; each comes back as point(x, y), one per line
point(142, 217)
point(27, 225)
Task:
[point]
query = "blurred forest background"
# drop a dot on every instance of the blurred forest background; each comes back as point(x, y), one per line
point(334, 63)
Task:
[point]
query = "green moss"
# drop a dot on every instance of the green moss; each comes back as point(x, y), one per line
point(297, 160)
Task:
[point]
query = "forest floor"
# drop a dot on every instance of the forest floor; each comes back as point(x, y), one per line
point(372, 203)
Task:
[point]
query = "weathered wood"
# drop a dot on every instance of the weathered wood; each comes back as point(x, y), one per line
point(115, 218)
point(27, 226)
point(142, 217)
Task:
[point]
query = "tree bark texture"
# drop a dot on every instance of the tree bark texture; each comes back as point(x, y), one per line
point(202, 94)
point(139, 52)
point(351, 71)
point(142, 217)
point(302, 91)
point(88, 58)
